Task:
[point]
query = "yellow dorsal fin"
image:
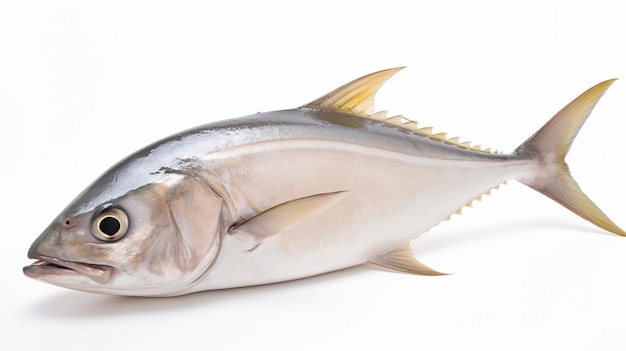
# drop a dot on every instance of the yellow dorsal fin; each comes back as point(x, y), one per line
point(355, 97)
point(380, 115)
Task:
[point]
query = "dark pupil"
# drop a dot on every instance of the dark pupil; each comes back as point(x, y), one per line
point(109, 226)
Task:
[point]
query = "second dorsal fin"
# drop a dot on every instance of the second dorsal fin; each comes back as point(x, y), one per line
point(356, 97)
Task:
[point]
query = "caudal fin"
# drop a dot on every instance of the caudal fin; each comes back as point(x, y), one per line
point(550, 145)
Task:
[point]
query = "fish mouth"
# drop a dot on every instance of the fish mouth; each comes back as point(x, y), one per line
point(45, 268)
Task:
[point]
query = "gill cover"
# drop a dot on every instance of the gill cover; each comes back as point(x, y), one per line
point(195, 213)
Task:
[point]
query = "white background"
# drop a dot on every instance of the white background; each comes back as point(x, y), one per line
point(82, 84)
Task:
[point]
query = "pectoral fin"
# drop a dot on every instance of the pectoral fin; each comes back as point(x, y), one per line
point(402, 260)
point(284, 216)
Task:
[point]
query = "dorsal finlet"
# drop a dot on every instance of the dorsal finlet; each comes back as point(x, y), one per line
point(355, 97)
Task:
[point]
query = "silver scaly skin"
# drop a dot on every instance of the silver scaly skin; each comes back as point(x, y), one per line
point(289, 194)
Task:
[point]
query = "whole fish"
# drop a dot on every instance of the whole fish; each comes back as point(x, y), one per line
point(289, 194)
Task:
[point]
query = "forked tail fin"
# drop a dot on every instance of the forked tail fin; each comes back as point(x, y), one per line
point(550, 145)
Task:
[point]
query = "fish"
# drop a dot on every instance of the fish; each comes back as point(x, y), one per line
point(289, 194)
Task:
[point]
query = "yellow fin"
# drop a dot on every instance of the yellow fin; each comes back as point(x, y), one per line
point(281, 217)
point(380, 115)
point(551, 143)
point(355, 97)
point(396, 120)
point(441, 137)
point(402, 260)
point(426, 131)
point(411, 125)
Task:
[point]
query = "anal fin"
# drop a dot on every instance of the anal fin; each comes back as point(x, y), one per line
point(402, 260)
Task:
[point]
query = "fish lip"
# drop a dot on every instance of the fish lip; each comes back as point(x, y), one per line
point(45, 266)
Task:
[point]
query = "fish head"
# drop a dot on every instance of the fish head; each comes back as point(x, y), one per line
point(155, 240)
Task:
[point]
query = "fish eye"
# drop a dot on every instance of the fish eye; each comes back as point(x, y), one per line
point(110, 224)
